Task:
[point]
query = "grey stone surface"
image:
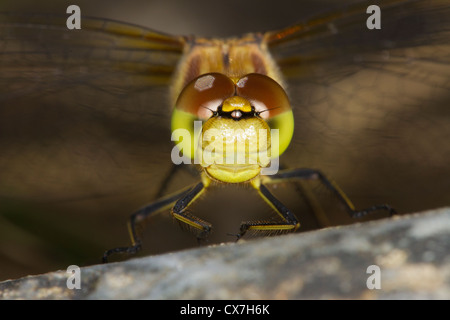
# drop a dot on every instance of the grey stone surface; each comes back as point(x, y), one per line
point(412, 253)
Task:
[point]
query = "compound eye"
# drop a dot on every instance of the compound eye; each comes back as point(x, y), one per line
point(205, 94)
point(271, 102)
point(264, 93)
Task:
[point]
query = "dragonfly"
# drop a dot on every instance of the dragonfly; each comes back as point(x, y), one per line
point(85, 114)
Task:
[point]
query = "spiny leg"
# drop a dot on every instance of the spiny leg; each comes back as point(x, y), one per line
point(290, 220)
point(140, 216)
point(330, 185)
point(179, 211)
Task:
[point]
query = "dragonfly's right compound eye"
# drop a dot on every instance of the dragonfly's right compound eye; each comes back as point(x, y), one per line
point(198, 101)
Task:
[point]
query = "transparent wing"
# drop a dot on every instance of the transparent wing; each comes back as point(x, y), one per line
point(372, 107)
point(83, 107)
point(84, 135)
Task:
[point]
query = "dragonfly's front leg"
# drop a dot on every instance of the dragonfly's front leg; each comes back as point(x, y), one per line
point(179, 212)
point(143, 214)
point(289, 223)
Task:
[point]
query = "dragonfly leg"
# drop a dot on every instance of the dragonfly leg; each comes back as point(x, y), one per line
point(332, 186)
point(140, 216)
point(290, 222)
point(179, 212)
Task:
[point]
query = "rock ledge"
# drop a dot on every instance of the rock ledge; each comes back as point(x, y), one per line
point(412, 253)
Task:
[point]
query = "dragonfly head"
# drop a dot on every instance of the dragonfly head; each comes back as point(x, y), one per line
point(239, 116)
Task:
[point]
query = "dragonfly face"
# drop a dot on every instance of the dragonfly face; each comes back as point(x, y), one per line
point(85, 126)
point(235, 141)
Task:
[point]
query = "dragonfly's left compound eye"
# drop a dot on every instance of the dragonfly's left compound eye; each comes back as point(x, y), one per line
point(272, 104)
point(264, 93)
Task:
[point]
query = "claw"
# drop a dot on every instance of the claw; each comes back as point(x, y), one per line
point(237, 235)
